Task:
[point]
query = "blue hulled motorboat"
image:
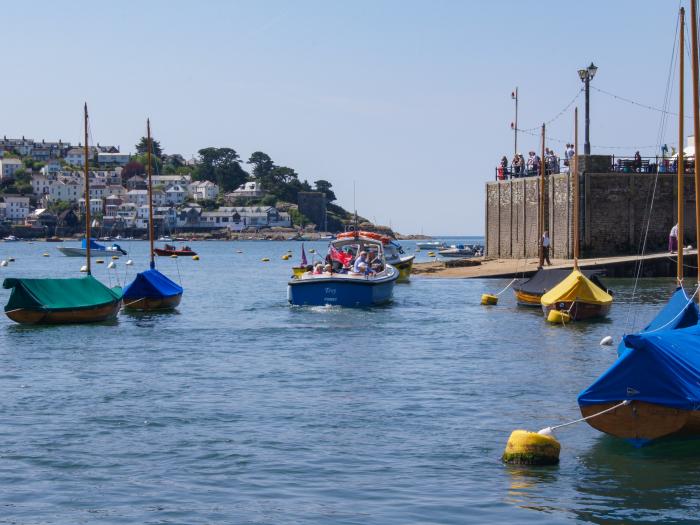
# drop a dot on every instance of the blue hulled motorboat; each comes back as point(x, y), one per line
point(339, 285)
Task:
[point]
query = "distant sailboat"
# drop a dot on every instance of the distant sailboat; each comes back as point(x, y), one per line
point(63, 301)
point(151, 290)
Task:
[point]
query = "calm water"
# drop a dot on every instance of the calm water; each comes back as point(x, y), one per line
point(241, 409)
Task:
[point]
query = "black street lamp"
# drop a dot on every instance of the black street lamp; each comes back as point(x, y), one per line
point(586, 76)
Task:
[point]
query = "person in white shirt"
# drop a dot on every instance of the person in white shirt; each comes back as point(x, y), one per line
point(673, 239)
point(545, 247)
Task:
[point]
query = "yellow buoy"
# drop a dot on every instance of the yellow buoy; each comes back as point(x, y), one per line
point(44, 254)
point(195, 257)
point(115, 257)
point(99, 261)
point(265, 259)
point(173, 256)
point(531, 448)
point(488, 298)
point(558, 316)
point(312, 250)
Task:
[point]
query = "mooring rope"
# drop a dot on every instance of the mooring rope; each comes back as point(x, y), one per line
point(508, 286)
point(690, 300)
point(548, 430)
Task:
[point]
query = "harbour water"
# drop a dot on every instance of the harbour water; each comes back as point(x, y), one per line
point(242, 409)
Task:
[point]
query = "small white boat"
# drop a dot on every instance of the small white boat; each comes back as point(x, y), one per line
point(431, 245)
point(462, 251)
point(10, 238)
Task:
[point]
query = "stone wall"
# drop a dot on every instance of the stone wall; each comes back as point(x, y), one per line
point(313, 205)
point(614, 212)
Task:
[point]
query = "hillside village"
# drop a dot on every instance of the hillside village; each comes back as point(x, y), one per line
point(42, 188)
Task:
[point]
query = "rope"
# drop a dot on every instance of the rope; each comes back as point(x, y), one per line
point(555, 117)
point(177, 265)
point(677, 315)
point(549, 430)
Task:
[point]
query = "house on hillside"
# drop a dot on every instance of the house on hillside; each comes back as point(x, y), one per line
point(8, 167)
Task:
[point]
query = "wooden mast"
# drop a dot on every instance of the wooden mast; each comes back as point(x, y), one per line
point(680, 164)
point(576, 197)
point(150, 193)
point(540, 218)
point(87, 195)
point(696, 121)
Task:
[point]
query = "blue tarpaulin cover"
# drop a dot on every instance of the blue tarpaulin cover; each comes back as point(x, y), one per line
point(93, 245)
point(152, 284)
point(659, 365)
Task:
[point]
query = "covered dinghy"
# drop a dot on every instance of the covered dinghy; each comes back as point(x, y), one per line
point(659, 374)
point(151, 290)
point(529, 292)
point(578, 296)
point(78, 300)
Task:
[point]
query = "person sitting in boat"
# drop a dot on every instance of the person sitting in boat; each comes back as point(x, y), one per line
point(361, 259)
point(375, 263)
point(318, 269)
point(328, 269)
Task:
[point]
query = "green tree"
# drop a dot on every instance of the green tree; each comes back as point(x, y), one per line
point(131, 168)
point(221, 166)
point(142, 147)
point(325, 187)
point(156, 163)
point(262, 165)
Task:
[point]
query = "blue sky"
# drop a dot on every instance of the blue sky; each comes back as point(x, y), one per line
point(408, 99)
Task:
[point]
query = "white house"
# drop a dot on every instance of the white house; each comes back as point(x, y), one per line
point(8, 167)
point(138, 197)
point(175, 194)
point(66, 190)
point(75, 156)
point(166, 180)
point(203, 190)
point(248, 189)
point(16, 207)
point(40, 185)
point(95, 205)
point(51, 168)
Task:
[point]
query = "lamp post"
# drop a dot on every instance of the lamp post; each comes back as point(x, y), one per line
point(586, 75)
point(514, 125)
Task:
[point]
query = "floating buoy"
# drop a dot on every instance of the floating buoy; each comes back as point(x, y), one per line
point(3, 263)
point(45, 254)
point(129, 262)
point(99, 261)
point(111, 265)
point(265, 259)
point(239, 251)
point(83, 269)
point(195, 257)
point(173, 256)
point(312, 250)
point(115, 257)
point(489, 299)
point(431, 254)
point(531, 448)
point(606, 341)
point(558, 316)
point(10, 259)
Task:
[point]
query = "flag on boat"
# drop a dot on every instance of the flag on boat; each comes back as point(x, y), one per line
point(303, 256)
point(341, 257)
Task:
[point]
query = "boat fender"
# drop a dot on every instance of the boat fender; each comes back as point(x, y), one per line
point(558, 316)
point(83, 269)
point(195, 257)
point(531, 448)
point(489, 299)
point(173, 256)
point(3, 263)
point(111, 265)
point(44, 254)
point(129, 262)
point(606, 341)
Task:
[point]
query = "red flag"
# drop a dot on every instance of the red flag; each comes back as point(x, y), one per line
point(341, 257)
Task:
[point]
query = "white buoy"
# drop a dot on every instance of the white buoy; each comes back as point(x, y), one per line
point(606, 341)
point(129, 262)
point(83, 268)
point(111, 265)
point(3, 263)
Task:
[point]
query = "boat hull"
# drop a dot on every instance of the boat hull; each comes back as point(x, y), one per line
point(579, 311)
point(165, 253)
point(353, 292)
point(151, 304)
point(642, 422)
point(82, 252)
point(404, 266)
point(527, 299)
point(97, 314)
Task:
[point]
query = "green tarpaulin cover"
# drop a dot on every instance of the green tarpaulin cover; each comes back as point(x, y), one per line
point(59, 294)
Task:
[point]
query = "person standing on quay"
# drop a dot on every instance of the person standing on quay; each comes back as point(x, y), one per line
point(545, 247)
point(673, 239)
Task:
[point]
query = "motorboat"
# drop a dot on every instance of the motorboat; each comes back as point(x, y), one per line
point(431, 245)
point(96, 250)
point(10, 238)
point(343, 287)
point(462, 251)
point(169, 249)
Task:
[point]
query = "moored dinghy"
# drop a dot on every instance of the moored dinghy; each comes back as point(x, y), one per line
point(529, 291)
point(578, 297)
point(346, 288)
point(151, 290)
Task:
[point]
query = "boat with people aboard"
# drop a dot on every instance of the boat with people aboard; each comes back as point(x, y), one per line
point(170, 249)
point(355, 274)
point(96, 250)
point(393, 252)
point(151, 290)
point(69, 300)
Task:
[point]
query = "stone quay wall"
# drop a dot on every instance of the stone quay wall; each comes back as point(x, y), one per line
point(614, 213)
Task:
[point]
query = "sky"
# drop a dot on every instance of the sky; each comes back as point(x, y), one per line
point(408, 102)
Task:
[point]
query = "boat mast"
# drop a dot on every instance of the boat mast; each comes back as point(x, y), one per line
point(150, 193)
point(680, 164)
point(576, 198)
point(696, 120)
point(540, 218)
point(87, 195)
